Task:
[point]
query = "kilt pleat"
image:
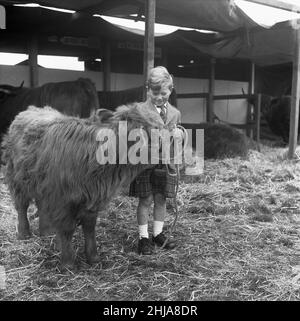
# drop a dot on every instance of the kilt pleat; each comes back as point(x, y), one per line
point(153, 181)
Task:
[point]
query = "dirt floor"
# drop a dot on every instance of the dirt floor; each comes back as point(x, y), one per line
point(238, 234)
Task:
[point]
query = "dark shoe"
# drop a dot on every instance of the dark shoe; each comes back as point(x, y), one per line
point(145, 246)
point(160, 239)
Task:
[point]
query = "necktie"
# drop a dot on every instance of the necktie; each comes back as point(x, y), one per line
point(163, 113)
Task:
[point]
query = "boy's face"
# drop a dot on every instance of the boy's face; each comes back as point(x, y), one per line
point(160, 96)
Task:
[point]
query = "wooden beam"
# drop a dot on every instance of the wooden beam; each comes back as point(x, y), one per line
point(206, 125)
point(192, 95)
point(257, 117)
point(2, 17)
point(252, 79)
point(278, 4)
point(33, 64)
point(215, 97)
point(251, 89)
point(227, 97)
point(210, 100)
point(149, 42)
point(294, 115)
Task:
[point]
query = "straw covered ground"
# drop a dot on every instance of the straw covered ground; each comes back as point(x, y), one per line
point(238, 234)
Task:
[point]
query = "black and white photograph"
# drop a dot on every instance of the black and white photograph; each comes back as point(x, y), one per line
point(149, 157)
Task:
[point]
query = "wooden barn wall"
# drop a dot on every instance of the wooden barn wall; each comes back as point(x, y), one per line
point(192, 109)
point(232, 111)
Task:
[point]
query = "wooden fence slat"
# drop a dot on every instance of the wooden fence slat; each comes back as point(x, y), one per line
point(294, 115)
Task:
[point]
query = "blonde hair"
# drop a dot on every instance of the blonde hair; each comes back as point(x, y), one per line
point(159, 77)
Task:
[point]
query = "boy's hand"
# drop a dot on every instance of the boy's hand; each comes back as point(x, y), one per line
point(177, 133)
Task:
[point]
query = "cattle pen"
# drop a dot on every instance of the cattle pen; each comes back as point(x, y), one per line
point(238, 233)
point(237, 228)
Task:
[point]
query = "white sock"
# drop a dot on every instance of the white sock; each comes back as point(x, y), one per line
point(143, 231)
point(157, 227)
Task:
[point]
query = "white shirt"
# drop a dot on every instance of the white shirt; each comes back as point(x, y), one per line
point(158, 108)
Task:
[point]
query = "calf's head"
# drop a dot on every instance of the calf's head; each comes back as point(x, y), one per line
point(129, 135)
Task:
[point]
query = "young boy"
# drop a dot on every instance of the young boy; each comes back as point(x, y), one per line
point(156, 184)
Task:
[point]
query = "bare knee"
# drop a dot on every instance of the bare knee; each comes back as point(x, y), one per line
point(143, 209)
point(146, 201)
point(159, 200)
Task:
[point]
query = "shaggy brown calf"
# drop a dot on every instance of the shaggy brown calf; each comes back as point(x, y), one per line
point(51, 158)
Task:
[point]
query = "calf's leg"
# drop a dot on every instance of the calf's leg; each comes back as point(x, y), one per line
point(64, 236)
point(45, 226)
point(21, 204)
point(88, 222)
point(64, 222)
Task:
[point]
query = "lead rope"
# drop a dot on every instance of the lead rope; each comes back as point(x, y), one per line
point(175, 206)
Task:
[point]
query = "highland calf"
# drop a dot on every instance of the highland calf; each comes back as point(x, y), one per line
point(51, 158)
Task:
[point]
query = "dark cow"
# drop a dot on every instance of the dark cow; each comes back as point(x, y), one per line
point(222, 141)
point(276, 111)
point(74, 98)
point(277, 115)
point(51, 158)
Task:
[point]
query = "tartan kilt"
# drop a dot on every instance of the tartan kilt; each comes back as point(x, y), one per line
point(153, 181)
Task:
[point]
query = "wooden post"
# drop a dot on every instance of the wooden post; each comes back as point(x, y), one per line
point(107, 68)
point(33, 63)
point(211, 93)
point(257, 117)
point(2, 17)
point(149, 42)
point(294, 115)
point(251, 90)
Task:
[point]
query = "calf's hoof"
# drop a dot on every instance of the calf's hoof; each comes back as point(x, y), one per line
point(47, 231)
point(93, 259)
point(67, 266)
point(24, 235)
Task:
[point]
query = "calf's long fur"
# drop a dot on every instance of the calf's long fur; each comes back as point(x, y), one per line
point(51, 158)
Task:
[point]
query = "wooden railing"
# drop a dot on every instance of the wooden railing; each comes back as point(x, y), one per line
point(253, 124)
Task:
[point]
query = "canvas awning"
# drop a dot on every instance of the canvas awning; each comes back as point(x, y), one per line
point(263, 46)
point(219, 15)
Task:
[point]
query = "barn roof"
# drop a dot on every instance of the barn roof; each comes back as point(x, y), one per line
point(219, 15)
point(238, 37)
point(265, 47)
